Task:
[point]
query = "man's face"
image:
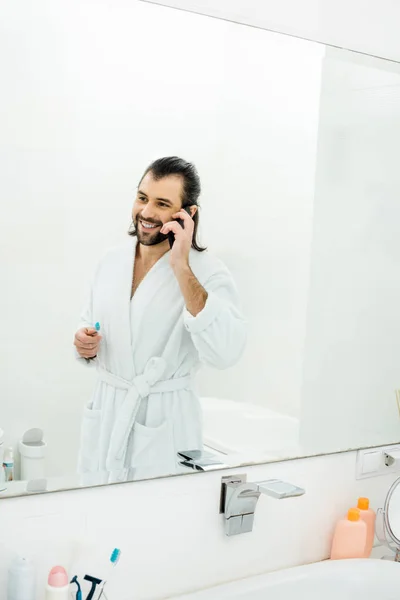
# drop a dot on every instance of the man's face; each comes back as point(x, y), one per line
point(156, 202)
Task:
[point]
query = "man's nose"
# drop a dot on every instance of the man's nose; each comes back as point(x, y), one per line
point(148, 213)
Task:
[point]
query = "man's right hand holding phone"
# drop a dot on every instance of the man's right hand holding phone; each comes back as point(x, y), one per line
point(182, 228)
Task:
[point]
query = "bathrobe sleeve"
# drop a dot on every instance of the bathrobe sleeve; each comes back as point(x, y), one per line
point(219, 331)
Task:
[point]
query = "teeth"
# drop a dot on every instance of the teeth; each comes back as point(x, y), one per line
point(147, 226)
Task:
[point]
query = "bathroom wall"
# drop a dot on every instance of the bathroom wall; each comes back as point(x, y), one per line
point(366, 26)
point(171, 534)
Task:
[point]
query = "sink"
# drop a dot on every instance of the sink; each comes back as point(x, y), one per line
point(354, 579)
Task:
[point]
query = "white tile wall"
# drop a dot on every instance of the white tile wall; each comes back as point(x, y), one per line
point(171, 534)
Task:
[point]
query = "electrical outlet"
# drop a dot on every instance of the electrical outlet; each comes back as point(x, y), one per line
point(372, 462)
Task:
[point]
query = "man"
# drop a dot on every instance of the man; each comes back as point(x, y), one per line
point(162, 312)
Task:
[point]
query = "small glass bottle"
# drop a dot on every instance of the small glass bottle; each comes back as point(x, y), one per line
point(8, 464)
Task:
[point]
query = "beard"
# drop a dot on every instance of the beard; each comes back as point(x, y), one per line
point(149, 238)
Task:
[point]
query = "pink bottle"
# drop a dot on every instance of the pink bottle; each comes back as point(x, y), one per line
point(368, 516)
point(350, 537)
point(58, 584)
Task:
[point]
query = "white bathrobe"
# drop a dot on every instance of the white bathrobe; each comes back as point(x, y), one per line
point(144, 408)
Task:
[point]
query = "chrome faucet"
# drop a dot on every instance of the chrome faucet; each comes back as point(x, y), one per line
point(240, 500)
point(200, 460)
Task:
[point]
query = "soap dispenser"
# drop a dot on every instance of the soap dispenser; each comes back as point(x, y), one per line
point(368, 516)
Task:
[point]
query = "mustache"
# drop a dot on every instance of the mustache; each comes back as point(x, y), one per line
point(151, 221)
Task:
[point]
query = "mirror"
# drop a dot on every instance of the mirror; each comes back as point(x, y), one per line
point(388, 521)
point(393, 513)
point(282, 338)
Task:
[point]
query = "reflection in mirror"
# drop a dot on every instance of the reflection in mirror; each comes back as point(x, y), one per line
point(200, 251)
point(155, 313)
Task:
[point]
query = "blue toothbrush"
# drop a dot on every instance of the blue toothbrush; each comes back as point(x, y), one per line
point(114, 558)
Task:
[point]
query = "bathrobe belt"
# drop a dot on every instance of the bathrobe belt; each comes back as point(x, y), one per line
point(149, 382)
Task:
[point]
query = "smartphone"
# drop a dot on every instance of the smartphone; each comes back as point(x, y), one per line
point(171, 236)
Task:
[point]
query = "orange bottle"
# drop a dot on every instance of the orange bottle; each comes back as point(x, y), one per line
point(350, 537)
point(368, 516)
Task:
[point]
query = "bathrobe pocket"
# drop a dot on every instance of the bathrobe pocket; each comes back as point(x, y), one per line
point(152, 450)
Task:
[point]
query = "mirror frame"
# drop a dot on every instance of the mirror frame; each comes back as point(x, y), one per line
point(386, 519)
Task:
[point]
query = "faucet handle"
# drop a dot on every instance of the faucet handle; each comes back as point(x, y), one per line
point(241, 499)
point(279, 489)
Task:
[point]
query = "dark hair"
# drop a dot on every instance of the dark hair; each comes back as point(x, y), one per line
point(172, 165)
